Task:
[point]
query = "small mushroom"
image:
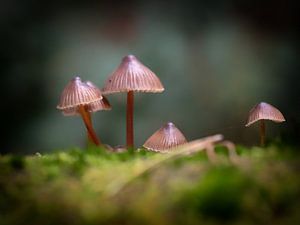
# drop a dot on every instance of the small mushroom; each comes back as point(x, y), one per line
point(132, 76)
point(103, 104)
point(79, 98)
point(100, 105)
point(168, 136)
point(261, 112)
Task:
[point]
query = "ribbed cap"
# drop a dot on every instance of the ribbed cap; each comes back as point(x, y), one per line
point(166, 137)
point(100, 103)
point(264, 111)
point(132, 75)
point(78, 93)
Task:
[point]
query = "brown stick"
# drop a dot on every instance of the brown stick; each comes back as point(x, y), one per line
point(211, 154)
point(88, 125)
point(129, 120)
point(262, 133)
point(233, 156)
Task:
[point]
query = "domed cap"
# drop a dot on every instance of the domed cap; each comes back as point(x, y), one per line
point(132, 75)
point(102, 104)
point(264, 111)
point(166, 137)
point(78, 93)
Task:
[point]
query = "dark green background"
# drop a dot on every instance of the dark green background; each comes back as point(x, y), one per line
point(216, 60)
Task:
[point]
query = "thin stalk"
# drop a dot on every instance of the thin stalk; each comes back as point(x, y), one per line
point(129, 120)
point(88, 125)
point(90, 140)
point(262, 133)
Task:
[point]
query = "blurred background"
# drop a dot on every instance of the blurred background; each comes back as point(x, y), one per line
point(216, 59)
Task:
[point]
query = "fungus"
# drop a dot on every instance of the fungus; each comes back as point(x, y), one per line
point(103, 104)
point(79, 98)
point(132, 76)
point(168, 136)
point(261, 112)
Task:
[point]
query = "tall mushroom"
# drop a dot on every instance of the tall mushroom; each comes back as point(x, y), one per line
point(168, 136)
point(132, 76)
point(261, 112)
point(79, 98)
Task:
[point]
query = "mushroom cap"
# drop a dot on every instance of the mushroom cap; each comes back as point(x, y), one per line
point(264, 111)
point(100, 104)
point(92, 85)
point(166, 137)
point(132, 75)
point(78, 93)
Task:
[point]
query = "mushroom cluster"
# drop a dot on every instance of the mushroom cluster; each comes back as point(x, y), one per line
point(83, 98)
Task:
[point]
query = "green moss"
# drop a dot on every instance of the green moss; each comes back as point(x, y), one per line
point(91, 186)
point(218, 195)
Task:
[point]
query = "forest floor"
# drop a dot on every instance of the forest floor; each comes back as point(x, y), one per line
point(91, 186)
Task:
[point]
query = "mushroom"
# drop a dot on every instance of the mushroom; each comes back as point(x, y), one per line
point(79, 98)
point(261, 112)
point(132, 76)
point(103, 104)
point(168, 136)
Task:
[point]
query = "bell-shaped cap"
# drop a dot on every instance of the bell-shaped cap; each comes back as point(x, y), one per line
point(78, 93)
point(92, 85)
point(168, 136)
point(132, 75)
point(100, 104)
point(264, 111)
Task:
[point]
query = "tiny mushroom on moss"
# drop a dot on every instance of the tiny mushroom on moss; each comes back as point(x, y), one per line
point(79, 98)
point(167, 137)
point(261, 112)
point(132, 76)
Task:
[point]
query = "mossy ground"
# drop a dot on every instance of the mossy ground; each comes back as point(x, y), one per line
point(90, 186)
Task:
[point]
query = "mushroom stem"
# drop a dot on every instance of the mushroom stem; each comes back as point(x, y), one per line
point(129, 120)
point(262, 132)
point(90, 140)
point(86, 119)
